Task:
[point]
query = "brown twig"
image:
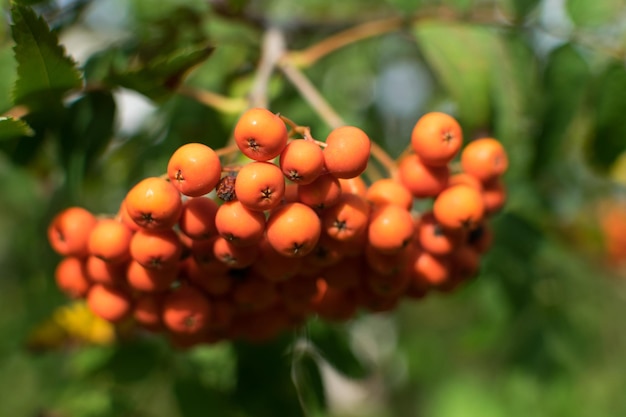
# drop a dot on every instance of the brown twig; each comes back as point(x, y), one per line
point(221, 103)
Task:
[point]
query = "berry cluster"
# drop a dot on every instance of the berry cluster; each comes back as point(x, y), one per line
point(211, 252)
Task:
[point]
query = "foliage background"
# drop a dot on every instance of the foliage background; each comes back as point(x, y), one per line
point(539, 332)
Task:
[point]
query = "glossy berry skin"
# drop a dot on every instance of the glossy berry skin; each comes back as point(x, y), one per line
point(260, 134)
point(260, 186)
point(302, 161)
point(194, 169)
point(459, 207)
point(69, 230)
point(154, 203)
point(293, 229)
point(347, 152)
point(436, 138)
point(485, 159)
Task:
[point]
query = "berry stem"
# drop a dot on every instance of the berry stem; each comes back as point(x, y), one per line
point(220, 103)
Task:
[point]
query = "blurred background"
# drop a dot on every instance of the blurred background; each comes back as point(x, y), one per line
point(539, 332)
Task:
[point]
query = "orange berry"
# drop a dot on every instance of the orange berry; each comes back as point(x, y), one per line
point(194, 169)
point(390, 229)
point(147, 311)
point(422, 180)
point(389, 191)
point(436, 138)
point(494, 196)
point(354, 185)
point(154, 203)
point(238, 224)
point(293, 229)
point(197, 219)
point(435, 239)
point(335, 305)
point(151, 279)
point(104, 272)
point(124, 217)
point(222, 313)
point(202, 251)
point(297, 293)
point(459, 207)
point(466, 179)
point(322, 193)
point(484, 159)
point(346, 219)
point(71, 277)
point(186, 311)
point(215, 283)
point(385, 263)
point(110, 241)
point(110, 303)
point(344, 274)
point(260, 134)
point(234, 256)
point(274, 266)
point(347, 152)
point(156, 249)
point(428, 269)
point(387, 285)
point(465, 262)
point(69, 230)
point(254, 294)
point(302, 161)
point(260, 186)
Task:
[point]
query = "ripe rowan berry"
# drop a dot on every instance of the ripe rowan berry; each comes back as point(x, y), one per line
point(436, 138)
point(69, 230)
point(274, 266)
point(435, 239)
point(494, 196)
point(103, 272)
point(146, 279)
point(344, 274)
point(302, 161)
point(110, 241)
point(322, 193)
point(156, 248)
point(347, 152)
point(186, 310)
point(194, 169)
point(215, 282)
point(354, 185)
point(390, 229)
point(147, 311)
point(238, 224)
point(346, 219)
point(422, 180)
point(110, 303)
point(260, 186)
point(197, 218)
point(428, 269)
point(233, 256)
point(71, 277)
point(389, 191)
point(484, 159)
point(154, 203)
point(260, 134)
point(293, 229)
point(253, 293)
point(458, 207)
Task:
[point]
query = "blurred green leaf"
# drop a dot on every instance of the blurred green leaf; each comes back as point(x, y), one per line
point(44, 69)
point(518, 9)
point(8, 75)
point(308, 381)
point(594, 13)
point(334, 346)
point(459, 56)
point(608, 139)
point(11, 128)
point(159, 78)
point(196, 400)
point(566, 80)
point(132, 361)
point(264, 383)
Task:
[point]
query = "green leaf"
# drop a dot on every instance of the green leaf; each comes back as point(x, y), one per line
point(518, 9)
point(44, 69)
point(459, 56)
point(11, 128)
point(308, 381)
point(512, 74)
point(158, 78)
point(594, 13)
point(565, 85)
point(333, 345)
point(608, 139)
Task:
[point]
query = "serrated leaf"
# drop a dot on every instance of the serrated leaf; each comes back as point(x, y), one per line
point(594, 13)
point(608, 138)
point(44, 69)
point(565, 84)
point(12, 128)
point(459, 56)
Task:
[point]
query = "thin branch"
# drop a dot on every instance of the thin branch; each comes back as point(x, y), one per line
point(221, 103)
point(273, 47)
